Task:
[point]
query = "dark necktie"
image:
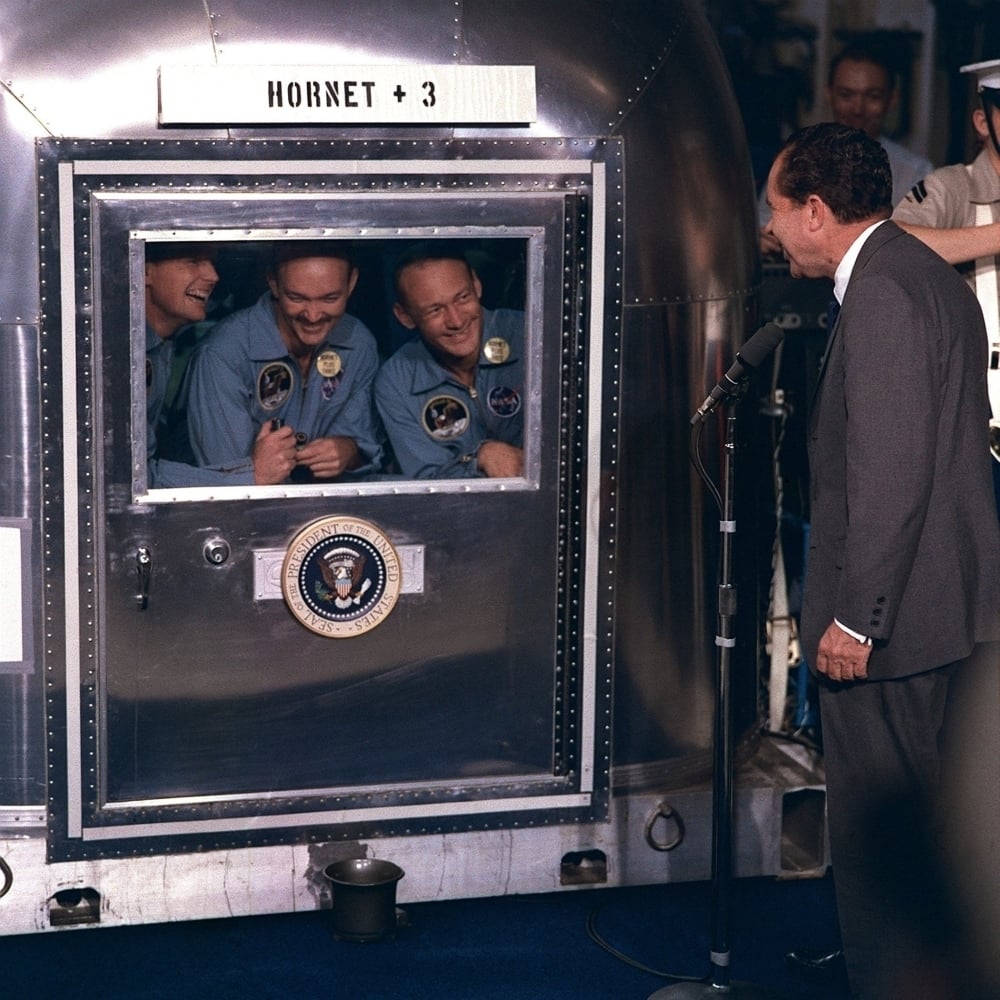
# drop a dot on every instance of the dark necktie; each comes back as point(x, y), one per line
point(832, 312)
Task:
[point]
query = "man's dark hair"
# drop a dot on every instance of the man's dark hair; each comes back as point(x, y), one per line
point(427, 250)
point(843, 165)
point(869, 51)
point(289, 250)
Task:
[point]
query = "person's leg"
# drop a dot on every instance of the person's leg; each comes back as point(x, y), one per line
point(882, 766)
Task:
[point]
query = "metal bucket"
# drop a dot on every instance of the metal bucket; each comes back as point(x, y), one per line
point(364, 898)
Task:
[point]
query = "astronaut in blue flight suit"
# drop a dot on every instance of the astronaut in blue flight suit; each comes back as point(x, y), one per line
point(282, 389)
point(179, 280)
point(451, 399)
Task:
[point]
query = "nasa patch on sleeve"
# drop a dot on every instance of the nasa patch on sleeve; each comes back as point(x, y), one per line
point(340, 577)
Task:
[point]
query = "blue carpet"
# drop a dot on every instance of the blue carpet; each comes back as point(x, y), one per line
point(509, 948)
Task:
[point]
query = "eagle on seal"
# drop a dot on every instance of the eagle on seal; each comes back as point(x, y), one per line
point(343, 572)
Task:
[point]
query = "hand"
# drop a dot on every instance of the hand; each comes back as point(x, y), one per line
point(273, 454)
point(841, 657)
point(500, 461)
point(327, 458)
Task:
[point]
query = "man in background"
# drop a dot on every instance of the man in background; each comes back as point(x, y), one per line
point(861, 90)
point(955, 210)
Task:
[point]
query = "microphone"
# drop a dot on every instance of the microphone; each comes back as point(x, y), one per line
point(753, 352)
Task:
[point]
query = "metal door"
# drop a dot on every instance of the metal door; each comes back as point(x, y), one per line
point(190, 703)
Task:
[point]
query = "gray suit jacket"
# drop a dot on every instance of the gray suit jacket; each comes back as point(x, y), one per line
point(904, 544)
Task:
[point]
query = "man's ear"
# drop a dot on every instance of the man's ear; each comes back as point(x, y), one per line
point(817, 211)
point(403, 316)
point(980, 124)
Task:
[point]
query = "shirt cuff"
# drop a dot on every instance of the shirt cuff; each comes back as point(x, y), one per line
point(865, 639)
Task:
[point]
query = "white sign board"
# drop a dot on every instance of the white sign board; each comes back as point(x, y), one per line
point(407, 94)
point(11, 596)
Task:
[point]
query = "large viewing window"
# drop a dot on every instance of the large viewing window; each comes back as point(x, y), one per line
point(509, 269)
point(512, 274)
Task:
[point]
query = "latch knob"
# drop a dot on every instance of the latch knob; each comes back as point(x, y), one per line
point(216, 551)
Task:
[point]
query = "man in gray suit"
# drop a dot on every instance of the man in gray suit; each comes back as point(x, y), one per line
point(901, 610)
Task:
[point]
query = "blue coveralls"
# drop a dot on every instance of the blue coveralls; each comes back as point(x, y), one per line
point(164, 473)
point(242, 375)
point(434, 423)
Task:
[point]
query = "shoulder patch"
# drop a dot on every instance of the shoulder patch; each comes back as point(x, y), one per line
point(274, 385)
point(445, 417)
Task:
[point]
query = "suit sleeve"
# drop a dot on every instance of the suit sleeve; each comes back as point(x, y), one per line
point(892, 382)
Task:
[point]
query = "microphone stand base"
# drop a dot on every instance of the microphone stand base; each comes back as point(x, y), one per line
point(701, 991)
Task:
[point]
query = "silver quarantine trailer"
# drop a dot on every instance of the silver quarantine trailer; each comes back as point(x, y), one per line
point(195, 719)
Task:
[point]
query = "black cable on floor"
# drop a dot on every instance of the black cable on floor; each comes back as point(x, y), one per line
point(596, 937)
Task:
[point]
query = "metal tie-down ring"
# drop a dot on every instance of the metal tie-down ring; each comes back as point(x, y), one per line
point(8, 877)
point(667, 812)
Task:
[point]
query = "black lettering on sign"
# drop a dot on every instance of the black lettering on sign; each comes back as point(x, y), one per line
point(321, 93)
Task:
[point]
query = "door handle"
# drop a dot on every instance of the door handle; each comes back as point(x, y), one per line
point(144, 570)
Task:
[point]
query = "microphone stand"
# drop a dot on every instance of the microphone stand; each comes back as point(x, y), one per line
point(718, 981)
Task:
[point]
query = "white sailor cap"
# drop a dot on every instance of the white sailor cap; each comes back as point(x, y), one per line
point(987, 74)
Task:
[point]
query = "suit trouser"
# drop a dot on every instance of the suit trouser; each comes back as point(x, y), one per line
point(899, 762)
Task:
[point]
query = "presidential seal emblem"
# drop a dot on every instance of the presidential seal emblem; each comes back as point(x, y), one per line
point(341, 576)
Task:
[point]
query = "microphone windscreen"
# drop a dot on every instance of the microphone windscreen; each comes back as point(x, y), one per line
point(760, 345)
